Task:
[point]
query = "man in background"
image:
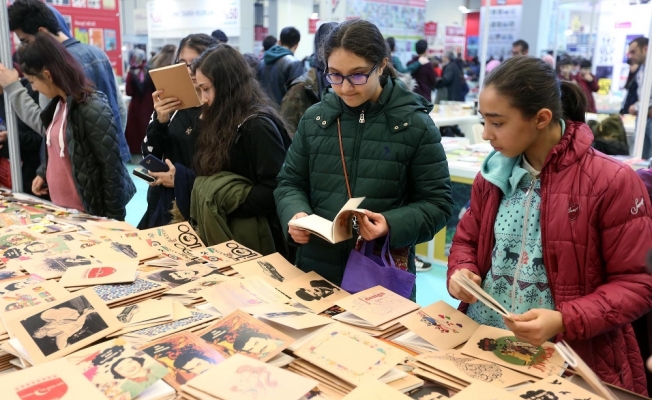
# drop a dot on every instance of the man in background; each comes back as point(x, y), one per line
point(220, 36)
point(279, 66)
point(425, 74)
point(520, 48)
point(637, 53)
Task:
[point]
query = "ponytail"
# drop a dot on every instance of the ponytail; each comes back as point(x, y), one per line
point(531, 85)
point(573, 102)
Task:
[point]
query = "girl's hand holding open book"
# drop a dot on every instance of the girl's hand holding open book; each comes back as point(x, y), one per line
point(300, 236)
point(458, 292)
point(372, 225)
point(536, 326)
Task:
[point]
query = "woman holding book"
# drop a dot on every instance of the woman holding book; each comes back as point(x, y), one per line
point(82, 169)
point(392, 155)
point(557, 232)
point(171, 136)
point(240, 150)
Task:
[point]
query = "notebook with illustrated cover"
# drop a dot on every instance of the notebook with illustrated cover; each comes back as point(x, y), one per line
point(175, 81)
point(437, 327)
point(584, 370)
point(312, 291)
point(555, 387)
point(336, 231)
point(374, 307)
point(274, 268)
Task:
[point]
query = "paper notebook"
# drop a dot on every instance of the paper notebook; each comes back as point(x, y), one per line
point(274, 269)
point(375, 390)
point(439, 325)
point(555, 387)
point(479, 293)
point(374, 307)
point(175, 81)
point(584, 370)
point(500, 346)
point(339, 230)
point(312, 291)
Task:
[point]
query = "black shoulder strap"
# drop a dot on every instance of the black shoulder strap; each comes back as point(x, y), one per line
point(283, 134)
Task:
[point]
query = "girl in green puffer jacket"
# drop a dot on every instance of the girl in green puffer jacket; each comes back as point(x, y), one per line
point(392, 152)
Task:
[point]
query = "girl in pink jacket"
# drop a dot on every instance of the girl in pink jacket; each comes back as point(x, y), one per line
point(557, 232)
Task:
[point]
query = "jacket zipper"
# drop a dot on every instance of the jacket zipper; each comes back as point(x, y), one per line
point(526, 218)
point(356, 150)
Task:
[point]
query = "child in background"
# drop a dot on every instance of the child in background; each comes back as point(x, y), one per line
point(557, 232)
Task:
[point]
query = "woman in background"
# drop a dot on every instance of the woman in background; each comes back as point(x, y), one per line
point(140, 87)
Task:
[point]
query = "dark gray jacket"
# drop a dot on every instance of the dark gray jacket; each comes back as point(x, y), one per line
point(101, 178)
point(276, 71)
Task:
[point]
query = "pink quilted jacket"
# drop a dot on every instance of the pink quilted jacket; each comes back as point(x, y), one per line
point(596, 230)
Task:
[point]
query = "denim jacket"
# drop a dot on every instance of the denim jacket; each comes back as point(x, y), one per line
point(98, 69)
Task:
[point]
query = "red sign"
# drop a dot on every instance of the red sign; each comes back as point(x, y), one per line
point(312, 25)
point(96, 22)
point(260, 33)
point(430, 29)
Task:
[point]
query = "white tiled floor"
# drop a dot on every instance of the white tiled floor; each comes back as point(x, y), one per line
point(431, 285)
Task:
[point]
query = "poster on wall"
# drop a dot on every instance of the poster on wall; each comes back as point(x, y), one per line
point(454, 39)
point(95, 22)
point(404, 20)
point(192, 16)
point(622, 24)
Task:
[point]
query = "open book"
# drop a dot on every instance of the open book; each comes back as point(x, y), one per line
point(584, 370)
point(334, 232)
point(479, 293)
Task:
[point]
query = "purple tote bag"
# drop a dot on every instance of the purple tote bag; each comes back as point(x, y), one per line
point(365, 270)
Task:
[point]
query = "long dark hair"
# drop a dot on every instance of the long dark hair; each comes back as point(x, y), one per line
point(531, 84)
point(46, 53)
point(197, 41)
point(164, 57)
point(238, 95)
point(361, 38)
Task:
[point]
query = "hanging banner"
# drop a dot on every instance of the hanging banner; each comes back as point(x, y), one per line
point(455, 39)
point(198, 15)
point(95, 22)
point(312, 25)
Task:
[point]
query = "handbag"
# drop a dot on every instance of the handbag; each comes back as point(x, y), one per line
point(364, 269)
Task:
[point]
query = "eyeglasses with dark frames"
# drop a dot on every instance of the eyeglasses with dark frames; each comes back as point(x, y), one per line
point(354, 79)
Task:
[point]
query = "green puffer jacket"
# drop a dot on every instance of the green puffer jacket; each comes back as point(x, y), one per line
point(394, 158)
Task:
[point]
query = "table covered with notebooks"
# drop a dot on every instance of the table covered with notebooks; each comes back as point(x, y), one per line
point(95, 309)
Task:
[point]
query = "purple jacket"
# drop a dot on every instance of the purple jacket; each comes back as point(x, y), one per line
point(426, 79)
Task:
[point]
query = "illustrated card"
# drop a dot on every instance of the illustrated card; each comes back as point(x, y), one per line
point(19, 282)
point(17, 238)
point(429, 392)
point(35, 249)
point(470, 369)
point(554, 387)
point(233, 294)
point(163, 330)
point(185, 355)
point(118, 292)
point(128, 244)
point(175, 277)
point(225, 254)
point(174, 241)
point(100, 274)
point(117, 369)
point(503, 348)
point(193, 289)
point(275, 269)
point(32, 295)
point(313, 291)
point(441, 325)
point(239, 332)
point(55, 380)
point(377, 305)
point(250, 379)
point(484, 391)
point(7, 273)
point(53, 266)
point(350, 354)
point(143, 312)
point(53, 330)
point(291, 317)
point(375, 390)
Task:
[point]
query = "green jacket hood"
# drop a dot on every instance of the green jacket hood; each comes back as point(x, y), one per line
point(396, 101)
point(276, 52)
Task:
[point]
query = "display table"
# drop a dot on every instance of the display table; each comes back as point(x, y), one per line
point(458, 114)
